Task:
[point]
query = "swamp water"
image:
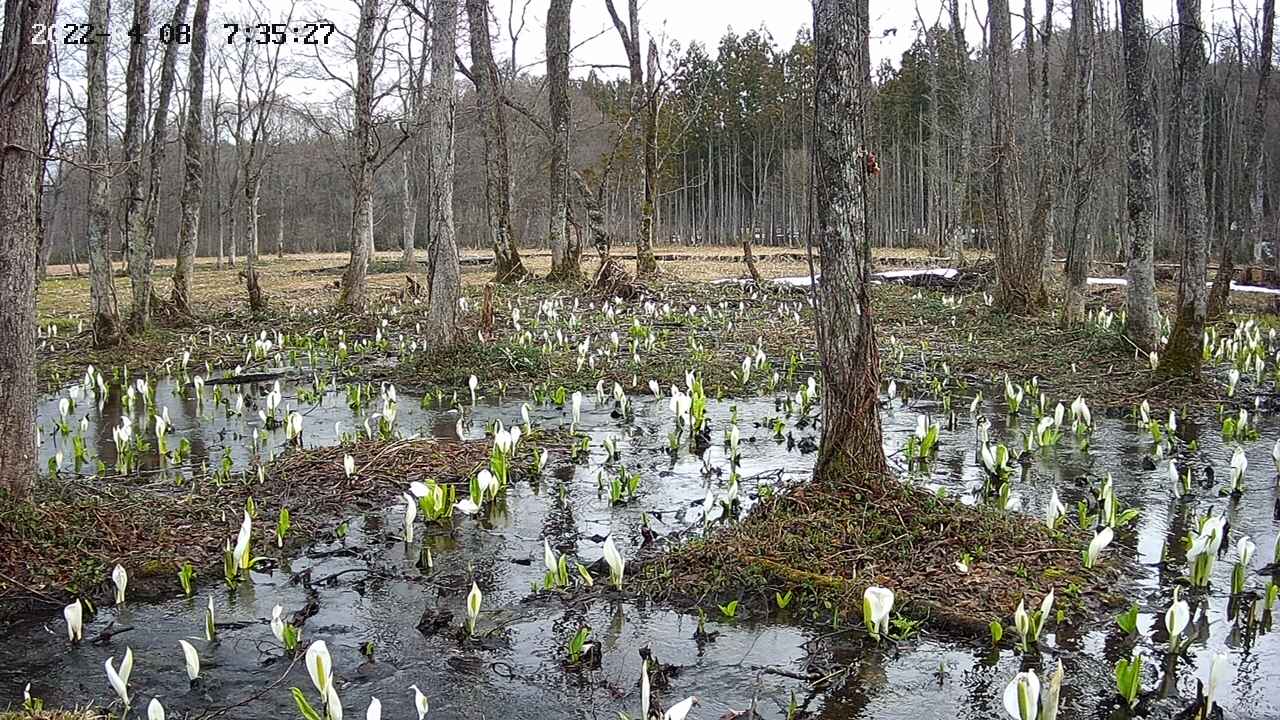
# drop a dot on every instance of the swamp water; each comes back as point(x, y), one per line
point(379, 591)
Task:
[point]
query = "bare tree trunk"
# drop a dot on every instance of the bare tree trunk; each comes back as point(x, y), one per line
point(967, 107)
point(134, 131)
point(23, 67)
point(1041, 231)
point(192, 199)
point(355, 282)
point(252, 193)
point(646, 263)
point(566, 252)
point(1019, 264)
point(444, 272)
point(280, 223)
point(409, 213)
point(1083, 165)
point(1142, 321)
point(497, 150)
point(641, 109)
point(1220, 294)
point(595, 216)
point(1183, 354)
point(107, 327)
point(851, 439)
point(142, 242)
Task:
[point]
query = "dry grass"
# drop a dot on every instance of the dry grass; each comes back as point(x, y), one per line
point(66, 541)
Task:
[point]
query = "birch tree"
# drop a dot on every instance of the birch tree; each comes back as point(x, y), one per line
point(851, 438)
point(1183, 355)
point(1142, 324)
point(192, 197)
point(24, 66)
point(107, 327)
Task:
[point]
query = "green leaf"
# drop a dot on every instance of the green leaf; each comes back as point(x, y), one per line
point(304, 707)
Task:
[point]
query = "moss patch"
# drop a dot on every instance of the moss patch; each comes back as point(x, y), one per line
point(827, 541)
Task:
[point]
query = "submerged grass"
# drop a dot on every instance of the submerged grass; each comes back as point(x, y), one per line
point(66, 541)
point(826, 541)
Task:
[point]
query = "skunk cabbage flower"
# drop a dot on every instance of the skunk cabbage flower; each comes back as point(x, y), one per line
point(241, 552)
point(1175, 620)
point(466, 507)
point(1239, 463)
point(577, 408)
point(420, 702)
point(877, 603)
point(1217, 674)
point(680, 710)
point(1055, 511)
point(1245, 548)
point(1049, 706)
point(320, 666)
point(74, 614)
point(474, 598)
point(349, 465)
point(473, 382)
point(277, 623)
point(1097, 545)
point(155, 711)
point(332, 704)
point(192, 659)
point(120, 680)
point(488, 484)
point(1022, 696)
point(644, 689)
point(410, 513)
point(549, 557)
point(375, 709)
point(615, 561)
point(121, 580)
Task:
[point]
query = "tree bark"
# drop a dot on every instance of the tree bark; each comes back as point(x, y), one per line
point(192, 198)
point(1083, 166)
point(444, 271)
point(639, 123)
point(646, 263)
point(1220, 294)
point(355, 282)
point(1183, 354)
point(409, 213)
point(851, 438)
point(134, 131)
point(1019, 264)
point(23, 67)
point(1142, 324)
point(107, 327)
point(497, 151)
point(566, 253)
point(142, 241)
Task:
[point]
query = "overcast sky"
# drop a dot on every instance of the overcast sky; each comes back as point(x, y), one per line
point(707, 20)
